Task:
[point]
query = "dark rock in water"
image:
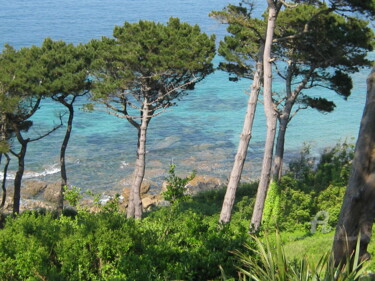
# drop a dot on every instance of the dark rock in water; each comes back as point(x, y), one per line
point(203, 183)
point(166, 143)
point(33, 188)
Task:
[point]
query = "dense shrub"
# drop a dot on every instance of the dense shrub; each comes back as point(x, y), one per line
point(309, 187)
point(171, 243)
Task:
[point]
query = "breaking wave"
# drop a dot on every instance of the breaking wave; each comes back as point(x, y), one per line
point(53, 169)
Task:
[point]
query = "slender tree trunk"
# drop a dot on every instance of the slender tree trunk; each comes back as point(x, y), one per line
point(3, 136)
point(3, 184)
point(286, 116)
point(280, 141)
point(64, 178)
point(279, 152)
point(135, 202)
point(271, 117)
point(358, 209)
point(18, 178)
point(239, 161)
point(2, 132)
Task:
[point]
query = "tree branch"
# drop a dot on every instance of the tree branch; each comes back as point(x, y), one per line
point(48, 133)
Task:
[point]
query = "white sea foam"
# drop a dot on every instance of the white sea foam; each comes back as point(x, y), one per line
point(53, 169)
point(124, 164)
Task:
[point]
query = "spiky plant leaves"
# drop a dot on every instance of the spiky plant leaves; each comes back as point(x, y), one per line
point(270, 263)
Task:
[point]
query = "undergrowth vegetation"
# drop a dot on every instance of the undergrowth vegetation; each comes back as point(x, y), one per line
point(178, 242)
point(183, 241)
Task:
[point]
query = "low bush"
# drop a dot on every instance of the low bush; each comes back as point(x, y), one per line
point(177, 242)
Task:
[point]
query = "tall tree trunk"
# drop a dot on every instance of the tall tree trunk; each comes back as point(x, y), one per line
point(3, 184)
point(135, 202)
point(271, 117)
point(358, 209)
point(239, 161)
point(64, 178)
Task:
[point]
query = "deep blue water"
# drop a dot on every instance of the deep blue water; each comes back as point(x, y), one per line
point(201, 133)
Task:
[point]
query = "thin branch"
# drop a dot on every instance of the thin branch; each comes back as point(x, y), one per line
point(295, 112)
point(288, 5)
point(50, 132)
point(278, 71)
point(304, 82)
point(33, 110)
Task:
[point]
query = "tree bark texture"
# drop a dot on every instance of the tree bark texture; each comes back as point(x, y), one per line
point(239, 161)
point(135, 202)
point(271, 117)
point(64, 145)
point(358, 209)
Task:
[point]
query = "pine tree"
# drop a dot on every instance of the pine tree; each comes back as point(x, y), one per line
point(144, 70)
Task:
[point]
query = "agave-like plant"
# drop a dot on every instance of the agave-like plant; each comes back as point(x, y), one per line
point(271, 264)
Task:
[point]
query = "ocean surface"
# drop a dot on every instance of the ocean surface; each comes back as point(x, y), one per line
point(201, 133)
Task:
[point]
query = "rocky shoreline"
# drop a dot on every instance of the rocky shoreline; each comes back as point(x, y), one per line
point(37, 194)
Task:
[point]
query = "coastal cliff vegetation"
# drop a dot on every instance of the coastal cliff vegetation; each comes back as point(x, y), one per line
point(137, 75)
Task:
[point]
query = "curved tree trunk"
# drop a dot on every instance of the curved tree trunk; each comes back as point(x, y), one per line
point(271, 116)
point(358, 209)
point(64, 178)
point(135, 202)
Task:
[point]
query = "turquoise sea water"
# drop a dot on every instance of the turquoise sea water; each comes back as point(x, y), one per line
point(201, 133)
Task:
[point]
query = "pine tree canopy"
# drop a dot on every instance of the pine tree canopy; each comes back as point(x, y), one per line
point(65, 68)
point(151, 60)
point(311, 40)
point(21, 80)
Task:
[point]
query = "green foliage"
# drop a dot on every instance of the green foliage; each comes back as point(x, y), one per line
point(65, 69)
point(20, 89)
point(73, 195)
point(176, 185)
point(178, 242)
point(314, 42)
point(241, 48)
point(271, 211)
point(330, 200)
point(310, 187)
point(151, 61)
point(271, 263)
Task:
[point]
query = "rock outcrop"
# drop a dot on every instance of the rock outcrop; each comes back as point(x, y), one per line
point(203, 183)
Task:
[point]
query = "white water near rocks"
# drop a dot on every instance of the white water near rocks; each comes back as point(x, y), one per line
point(102, 148)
